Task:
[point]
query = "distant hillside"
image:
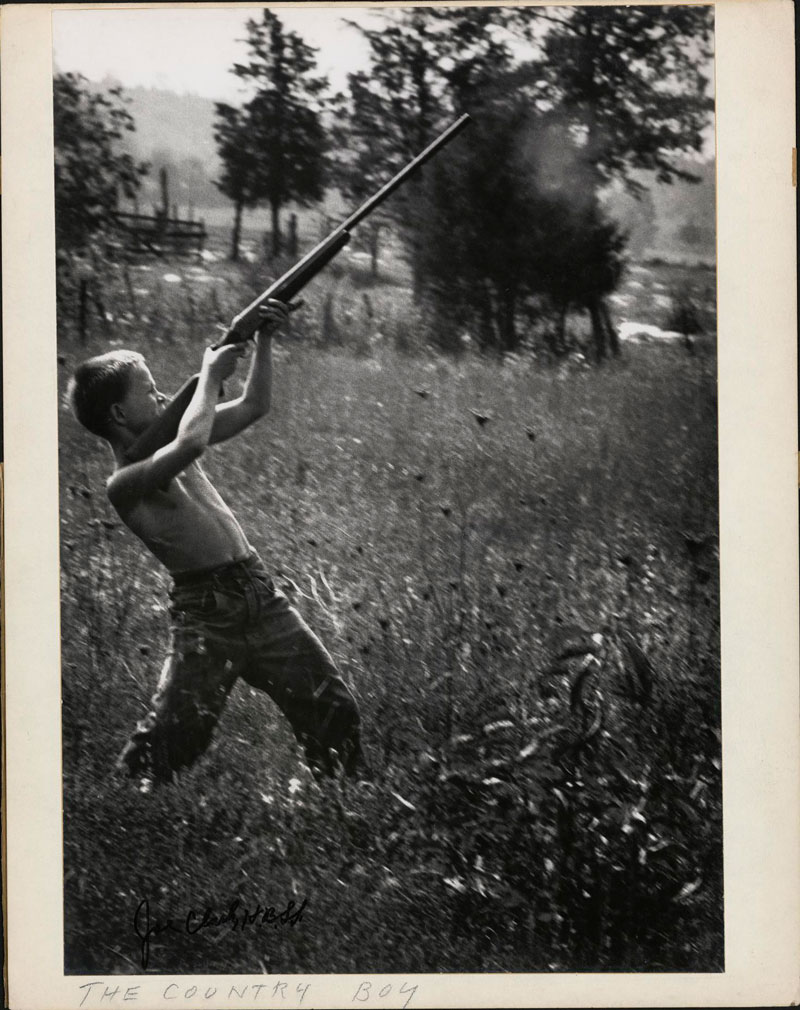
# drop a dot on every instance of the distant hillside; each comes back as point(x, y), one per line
point(672, 221)
point(180, 124)
point(177, 132)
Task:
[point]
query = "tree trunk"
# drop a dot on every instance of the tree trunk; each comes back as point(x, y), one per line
point(126, 274)
point(164, 180)
point(237, 231)
point(374, 236)
point(611, 331)
point(508, 327)
point(330, 333)
point(275, 207)
point(561, 332)
point(486, 331)
point(604, 332)
point(488, 336)
point(598, 330)
point(293, 244)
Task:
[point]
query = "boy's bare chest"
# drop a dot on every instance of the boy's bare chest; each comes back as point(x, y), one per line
point(189, 500)
point(190, 490)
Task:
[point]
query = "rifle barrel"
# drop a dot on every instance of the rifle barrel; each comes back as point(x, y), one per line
point(165, 427)
point(403, 174)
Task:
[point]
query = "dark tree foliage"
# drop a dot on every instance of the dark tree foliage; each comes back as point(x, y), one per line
point(499, 241)
point(92, 170)
point(239, 176)
point(426, 64)
point(364, 158)
point(580, 266)
point(475, 53)
point(396, 111)
point(405, 80)
point(475, 263)
point(488, 231)
point(617, 90)
point(629, 86)
point(285, 136)
point(630, 80)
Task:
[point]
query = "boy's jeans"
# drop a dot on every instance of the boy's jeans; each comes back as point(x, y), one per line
point(231, 622)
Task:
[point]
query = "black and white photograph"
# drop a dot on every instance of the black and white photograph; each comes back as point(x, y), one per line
point(388, 490)
point(399, 522)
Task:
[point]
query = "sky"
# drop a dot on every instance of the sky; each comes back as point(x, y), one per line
point(192, 49)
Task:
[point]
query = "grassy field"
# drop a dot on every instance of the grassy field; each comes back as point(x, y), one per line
point(544, 799)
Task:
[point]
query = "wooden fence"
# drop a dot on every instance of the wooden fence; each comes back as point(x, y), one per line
point(159, 234)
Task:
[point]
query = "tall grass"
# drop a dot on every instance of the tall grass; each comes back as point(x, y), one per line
point(538, 805)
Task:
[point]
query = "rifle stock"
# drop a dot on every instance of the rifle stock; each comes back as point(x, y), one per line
point(285, 288)
point(244, 325)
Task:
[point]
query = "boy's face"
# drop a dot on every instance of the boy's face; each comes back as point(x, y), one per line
point(142, 403)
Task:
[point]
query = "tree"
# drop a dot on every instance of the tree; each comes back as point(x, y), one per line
point(92, 170)
point(612, 93)
point(285, 143)
point(579, 267)
point(396, 110)
point(475, 241)
point(485, 225)
point(498, 240)
point(426, 64)
point(363, 160)
point(239, 177)
point(630, 85)
point(633, 81)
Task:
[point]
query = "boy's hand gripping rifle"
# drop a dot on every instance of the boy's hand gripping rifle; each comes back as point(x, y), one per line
point(244, 326)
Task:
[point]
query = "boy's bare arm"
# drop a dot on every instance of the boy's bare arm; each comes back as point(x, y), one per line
point(255, 401)
point(130, 483)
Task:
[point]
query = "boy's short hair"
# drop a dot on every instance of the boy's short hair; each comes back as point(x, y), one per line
point(99, 383)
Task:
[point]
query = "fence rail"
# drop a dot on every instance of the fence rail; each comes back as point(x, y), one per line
point(159, 234)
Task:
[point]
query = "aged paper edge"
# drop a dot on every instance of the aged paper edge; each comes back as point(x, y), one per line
point(3, 768)
point(767, 722)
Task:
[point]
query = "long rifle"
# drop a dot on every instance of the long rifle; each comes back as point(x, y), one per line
point(245, 324)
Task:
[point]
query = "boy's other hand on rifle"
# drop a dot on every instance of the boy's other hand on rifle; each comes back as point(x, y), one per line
point(274, 314)
point(220, 363)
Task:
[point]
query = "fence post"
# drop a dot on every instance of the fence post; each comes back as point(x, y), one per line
point(163, 177)
point(131, 296)
point(293, 234)
point(330, 332)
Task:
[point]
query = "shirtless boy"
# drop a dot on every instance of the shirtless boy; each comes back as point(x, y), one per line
point(227, 618)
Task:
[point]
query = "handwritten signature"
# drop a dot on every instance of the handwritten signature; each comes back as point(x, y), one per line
point(236, 916)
